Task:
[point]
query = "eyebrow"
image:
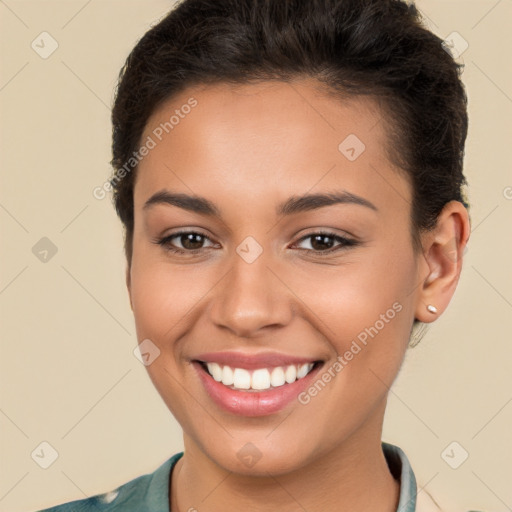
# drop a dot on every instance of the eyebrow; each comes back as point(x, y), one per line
point(293, 205)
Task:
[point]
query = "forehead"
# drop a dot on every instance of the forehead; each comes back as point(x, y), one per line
point(269, 139)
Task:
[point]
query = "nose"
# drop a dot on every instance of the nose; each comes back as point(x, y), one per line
point(251, 298)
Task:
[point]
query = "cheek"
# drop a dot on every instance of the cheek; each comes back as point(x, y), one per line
point(365, 316)
point(352, 298)
point(365, 312)
point(160, 304)
point(162, 294)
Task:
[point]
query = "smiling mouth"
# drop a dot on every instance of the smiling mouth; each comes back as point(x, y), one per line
point(259, 379)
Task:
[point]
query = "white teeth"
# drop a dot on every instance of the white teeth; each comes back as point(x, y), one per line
point(259, 379)
point(241, 378)
point(302, 371)
point(277, 377)
point(215, 371)
point(227, 376)
point(290, 374)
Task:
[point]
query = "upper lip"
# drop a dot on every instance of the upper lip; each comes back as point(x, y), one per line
point(253, 361)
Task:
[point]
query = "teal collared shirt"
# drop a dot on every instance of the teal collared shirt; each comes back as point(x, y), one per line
point(150, 493)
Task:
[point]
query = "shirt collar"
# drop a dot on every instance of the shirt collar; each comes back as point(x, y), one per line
point(401, 469)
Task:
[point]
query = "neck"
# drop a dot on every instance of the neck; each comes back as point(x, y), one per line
point(352, 476)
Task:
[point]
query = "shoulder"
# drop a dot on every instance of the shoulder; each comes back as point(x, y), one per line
point(148, 492)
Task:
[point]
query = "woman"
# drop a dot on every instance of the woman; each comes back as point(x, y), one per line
point(289, 176)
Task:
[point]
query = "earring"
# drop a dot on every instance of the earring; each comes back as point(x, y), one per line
point(432, 309)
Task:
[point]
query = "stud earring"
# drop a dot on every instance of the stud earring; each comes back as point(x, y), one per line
point(431, 308)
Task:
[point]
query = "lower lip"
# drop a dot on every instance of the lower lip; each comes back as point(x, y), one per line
point(253, 403)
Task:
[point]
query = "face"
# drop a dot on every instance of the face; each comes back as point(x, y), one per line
point(281, 319)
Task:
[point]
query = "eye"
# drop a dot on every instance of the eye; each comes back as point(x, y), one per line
point(190, 242)
point(324, 242)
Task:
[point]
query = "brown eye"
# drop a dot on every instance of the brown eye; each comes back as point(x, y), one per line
point(184, 242)
point(191, 241)
point(326, 242)
point(322, 242)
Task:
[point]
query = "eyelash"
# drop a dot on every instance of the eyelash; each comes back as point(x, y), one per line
point(344, 243)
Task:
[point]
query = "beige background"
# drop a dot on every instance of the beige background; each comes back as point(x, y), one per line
point(68, 373)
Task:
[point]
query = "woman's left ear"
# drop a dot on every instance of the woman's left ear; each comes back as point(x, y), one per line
point(443, 249)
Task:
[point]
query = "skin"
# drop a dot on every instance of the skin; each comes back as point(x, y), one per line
point(247, 149)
